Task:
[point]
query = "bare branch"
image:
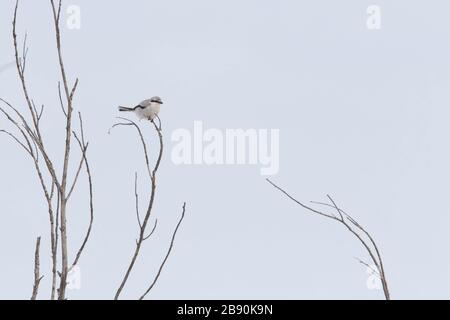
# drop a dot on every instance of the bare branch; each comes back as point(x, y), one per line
point(17, 140)
point(374, 271)
point(19, 65)
point(159, 128)
point(61, 100)
point(136, 196)
point(336, 207)
point(35, 156)
point(34, 136)
point(33, 142)
point(24, 53)
point(167, 255)
point(152, 175)
point(158, 161)
point(374, 253)
point(29, 149)
point(59, 10)
point(141, 136)
point(301, 204)
point(74, 88)
point(83, 146)
point(153, 230)
point(363, 242)
point(62, 189)
point(37, 277)
point(80, 166)
point(55, 272)
point(41, 112)
point(38, 114)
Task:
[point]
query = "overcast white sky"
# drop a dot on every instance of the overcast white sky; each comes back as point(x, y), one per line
point(363, 116)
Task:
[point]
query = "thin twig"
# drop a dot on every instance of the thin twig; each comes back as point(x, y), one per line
point(80, 166)
point(17, 140)
point(83, 146)
point(136, 196)
point(61, 100)
point(301, 204)
point(167, 255)
point(141, 136)
point(374, 271)
point(153, 230)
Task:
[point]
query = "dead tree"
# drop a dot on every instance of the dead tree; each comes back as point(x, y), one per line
point(28, 134)
point(143, 224)
point(354, 228)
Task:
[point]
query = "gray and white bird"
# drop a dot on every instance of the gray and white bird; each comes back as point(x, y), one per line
point(147, 109)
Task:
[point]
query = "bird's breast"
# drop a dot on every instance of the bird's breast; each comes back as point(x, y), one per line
point(149, 112)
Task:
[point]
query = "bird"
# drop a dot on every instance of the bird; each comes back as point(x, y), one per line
point(147, 109)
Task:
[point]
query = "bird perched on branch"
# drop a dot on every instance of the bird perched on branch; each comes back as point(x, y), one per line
point(147, 109)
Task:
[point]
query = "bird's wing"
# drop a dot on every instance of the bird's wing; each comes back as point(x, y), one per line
point(145, 103)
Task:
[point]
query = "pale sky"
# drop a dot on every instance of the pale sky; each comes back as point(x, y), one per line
point(362, 115)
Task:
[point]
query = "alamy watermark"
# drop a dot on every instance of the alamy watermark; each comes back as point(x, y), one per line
point(373, 17)
point(373, 280)
point(227, 147)
point(73, 17)
point(74, 278)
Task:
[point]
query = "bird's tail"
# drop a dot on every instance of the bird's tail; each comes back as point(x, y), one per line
point(124, 109)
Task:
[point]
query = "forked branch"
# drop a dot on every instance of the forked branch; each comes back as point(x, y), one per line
point(355, 228)
point(152, 171)
point(172, 242)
